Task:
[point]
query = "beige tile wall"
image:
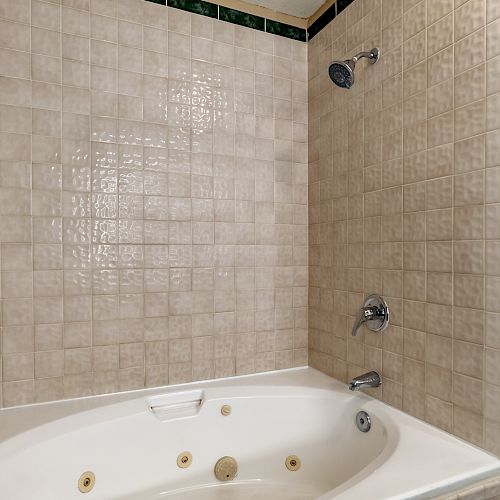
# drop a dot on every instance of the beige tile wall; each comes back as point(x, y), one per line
point(153, 198)
point(404, 201)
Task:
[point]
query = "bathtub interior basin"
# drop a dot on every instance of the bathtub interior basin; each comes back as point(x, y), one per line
point(133, 443)
point(133, 450)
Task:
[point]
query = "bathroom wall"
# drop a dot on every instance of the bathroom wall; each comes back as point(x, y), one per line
point(153, 198)
point(404, 201)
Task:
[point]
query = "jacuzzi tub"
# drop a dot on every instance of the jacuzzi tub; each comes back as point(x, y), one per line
point(132, 441)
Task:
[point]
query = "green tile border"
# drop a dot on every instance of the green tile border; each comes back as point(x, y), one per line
point(256, 22)
point(241, 18)
point(236, 17)
point(196, 6)
point(277, 28)
point(343, 4)
point(322, 21)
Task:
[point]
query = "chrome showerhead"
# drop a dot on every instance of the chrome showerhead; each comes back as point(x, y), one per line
point(342, 72)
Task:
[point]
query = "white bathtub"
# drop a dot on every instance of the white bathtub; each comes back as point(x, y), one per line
point(133, 450)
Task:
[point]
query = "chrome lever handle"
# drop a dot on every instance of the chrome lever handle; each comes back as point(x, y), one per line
point(375, 313)
point(364, 314)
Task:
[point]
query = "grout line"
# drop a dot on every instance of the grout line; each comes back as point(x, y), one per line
point(485, 125)
point(31, 201)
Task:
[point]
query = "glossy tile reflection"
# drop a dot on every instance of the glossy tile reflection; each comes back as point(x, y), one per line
point(153, 198)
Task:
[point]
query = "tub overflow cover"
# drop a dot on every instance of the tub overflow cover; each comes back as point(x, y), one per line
point(363, 421)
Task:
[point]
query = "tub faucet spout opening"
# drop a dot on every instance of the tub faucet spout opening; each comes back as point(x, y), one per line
point(370, 379)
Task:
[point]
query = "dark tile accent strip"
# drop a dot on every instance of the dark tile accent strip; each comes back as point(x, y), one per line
point(342, 4)
point(241, 18)
point(286, 30)
point(256, 22)
point(324, 19)
point(196, 6)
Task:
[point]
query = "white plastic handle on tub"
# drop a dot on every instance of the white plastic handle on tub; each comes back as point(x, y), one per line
point(176, 404)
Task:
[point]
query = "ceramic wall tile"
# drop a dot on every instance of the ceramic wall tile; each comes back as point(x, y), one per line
point(426, 125)
point(130, 230)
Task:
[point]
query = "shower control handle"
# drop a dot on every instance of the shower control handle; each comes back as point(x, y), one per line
point(374, 313)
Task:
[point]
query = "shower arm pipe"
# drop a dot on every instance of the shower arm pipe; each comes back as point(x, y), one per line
point(369, 55)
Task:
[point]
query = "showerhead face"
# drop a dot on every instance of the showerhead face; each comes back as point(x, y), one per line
point(342, 74)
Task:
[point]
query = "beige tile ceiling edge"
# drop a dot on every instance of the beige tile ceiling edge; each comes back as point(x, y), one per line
point(274, 15)
point(320, 12)
point(298, 8)
point(262, 12)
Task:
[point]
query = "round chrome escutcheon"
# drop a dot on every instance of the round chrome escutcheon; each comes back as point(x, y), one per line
point(363, 421)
